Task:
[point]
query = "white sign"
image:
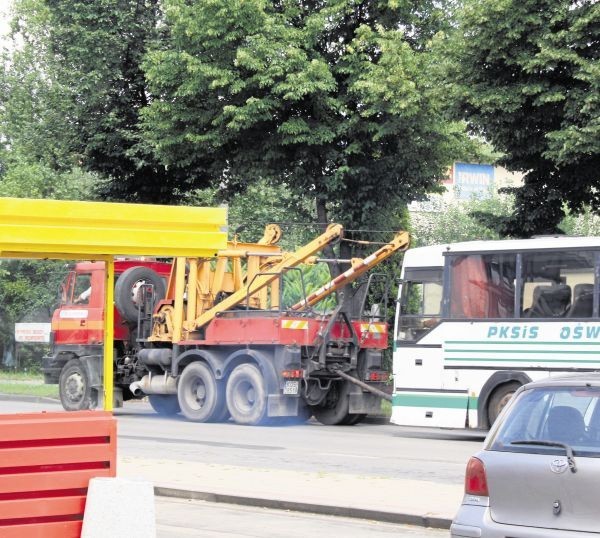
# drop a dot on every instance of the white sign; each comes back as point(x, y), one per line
point(32, 332)
point(73, 314)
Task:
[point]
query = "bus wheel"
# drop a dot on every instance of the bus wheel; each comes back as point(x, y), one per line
point(499, 398)
point(246, 395)
point(198, 393)
point(164, 404)
point(74, 387)
point(333, 410)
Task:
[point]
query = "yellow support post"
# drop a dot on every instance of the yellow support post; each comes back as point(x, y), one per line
point(108, 335)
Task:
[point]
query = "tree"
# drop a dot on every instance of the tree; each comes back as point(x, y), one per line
point(527, 78)
point(87, 55)
point(331, 99)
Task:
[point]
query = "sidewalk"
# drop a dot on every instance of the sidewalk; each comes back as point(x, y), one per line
point(384, 499)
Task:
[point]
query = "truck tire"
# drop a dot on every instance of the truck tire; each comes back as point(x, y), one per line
point(333, 410)
point(74, 387)
point(354, 418)
point(200, 396)
point(126, 290)
point(164, 404)
point(246, 395)
point(499, 398)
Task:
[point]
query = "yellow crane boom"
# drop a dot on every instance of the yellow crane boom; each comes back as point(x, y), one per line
point(358, 267)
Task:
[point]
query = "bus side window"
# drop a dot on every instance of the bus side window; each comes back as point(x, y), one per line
point(558, 284)
point(482, 286)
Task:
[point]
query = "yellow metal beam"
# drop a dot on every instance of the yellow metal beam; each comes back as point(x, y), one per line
point(57, 228)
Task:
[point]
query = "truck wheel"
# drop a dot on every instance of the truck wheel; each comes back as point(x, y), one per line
point(499, 398)
point(74, 387)
point(354, 418)
point(200, 396)
point(164, 404)
point(246, 395)
point(127, 297)
point(333, 410)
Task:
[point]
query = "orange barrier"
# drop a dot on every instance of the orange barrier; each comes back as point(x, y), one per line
point(46, 462)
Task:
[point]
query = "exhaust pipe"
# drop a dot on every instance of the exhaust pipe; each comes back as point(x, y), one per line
point(149, 384)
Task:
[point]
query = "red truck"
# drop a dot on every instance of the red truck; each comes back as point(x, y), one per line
point(212, 338)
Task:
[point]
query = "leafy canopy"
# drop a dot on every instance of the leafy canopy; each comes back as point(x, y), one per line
point(528, 78)
point(328, 98)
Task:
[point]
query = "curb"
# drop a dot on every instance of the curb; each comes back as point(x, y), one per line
point(27, 398)
point(328, 510)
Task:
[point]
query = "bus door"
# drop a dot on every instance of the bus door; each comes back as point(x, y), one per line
point(418, 362)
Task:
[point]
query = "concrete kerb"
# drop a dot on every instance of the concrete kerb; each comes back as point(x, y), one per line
point(328, 510)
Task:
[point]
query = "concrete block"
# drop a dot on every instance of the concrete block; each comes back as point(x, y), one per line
point(118, 507)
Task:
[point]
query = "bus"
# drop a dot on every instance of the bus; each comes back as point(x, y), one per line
point(476, 320)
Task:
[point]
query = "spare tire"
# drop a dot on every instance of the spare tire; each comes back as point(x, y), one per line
point(127, 296)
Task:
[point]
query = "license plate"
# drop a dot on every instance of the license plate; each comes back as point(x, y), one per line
point(291, 387)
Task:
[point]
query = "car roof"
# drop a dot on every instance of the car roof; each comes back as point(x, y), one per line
point(568, 380)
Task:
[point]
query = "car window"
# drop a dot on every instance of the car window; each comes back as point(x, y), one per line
point(568, 415)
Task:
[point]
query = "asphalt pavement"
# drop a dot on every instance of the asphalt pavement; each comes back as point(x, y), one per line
point(386, 499)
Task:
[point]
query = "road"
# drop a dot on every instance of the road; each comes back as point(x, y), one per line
point(379, 450)
point(178, 519)
point(364, 449)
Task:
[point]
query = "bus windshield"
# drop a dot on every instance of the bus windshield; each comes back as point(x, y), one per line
point(420, 303)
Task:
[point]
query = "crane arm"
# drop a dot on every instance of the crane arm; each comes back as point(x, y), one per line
point(333, 232)
point(359, 266)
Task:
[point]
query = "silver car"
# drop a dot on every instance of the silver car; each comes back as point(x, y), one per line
point(538, 475)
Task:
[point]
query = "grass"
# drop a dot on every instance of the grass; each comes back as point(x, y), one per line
point(24, 383)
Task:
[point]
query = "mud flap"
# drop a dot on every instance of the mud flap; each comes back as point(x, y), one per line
point(365, 403)
point(280, 405)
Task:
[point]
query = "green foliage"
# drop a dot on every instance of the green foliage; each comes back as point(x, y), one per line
point(298, 284)
point(24, 178)
point(264, 203)
point(526, 75)
point(330, 99)
point(28, 292)
point(82, 91)
point(585, 223)
point(451, 220)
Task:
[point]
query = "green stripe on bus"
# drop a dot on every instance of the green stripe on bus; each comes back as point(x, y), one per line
point(492, 359)
point(537, 351)
point(524, 343)
point(441, 401)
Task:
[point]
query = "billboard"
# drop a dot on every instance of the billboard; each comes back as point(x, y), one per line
point(473, 180)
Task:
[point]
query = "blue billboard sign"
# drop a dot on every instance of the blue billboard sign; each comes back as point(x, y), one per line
point(473, 180)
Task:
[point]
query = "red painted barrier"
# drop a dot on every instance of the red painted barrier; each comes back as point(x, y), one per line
point(46, 462)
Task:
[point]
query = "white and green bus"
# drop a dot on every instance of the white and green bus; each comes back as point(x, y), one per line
point(476, 320)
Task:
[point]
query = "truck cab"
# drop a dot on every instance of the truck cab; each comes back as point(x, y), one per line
point(75, 358)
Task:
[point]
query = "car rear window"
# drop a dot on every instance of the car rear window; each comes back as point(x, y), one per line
point(568, 415)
